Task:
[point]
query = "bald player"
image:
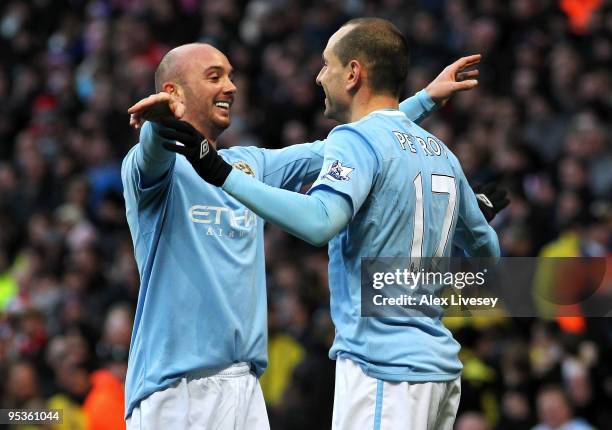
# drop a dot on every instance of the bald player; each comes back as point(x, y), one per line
point(199, 340)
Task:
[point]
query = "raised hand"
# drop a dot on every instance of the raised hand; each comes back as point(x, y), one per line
point(454, 78)
point(491, 199)
point(155, 107)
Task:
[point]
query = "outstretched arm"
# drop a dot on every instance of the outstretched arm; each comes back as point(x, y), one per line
point(152, 159)
point(314, 218)
point(332, 201)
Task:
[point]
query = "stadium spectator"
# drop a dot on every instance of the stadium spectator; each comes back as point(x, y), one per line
point(471, 421)
point(555, 412)
point(104, 405)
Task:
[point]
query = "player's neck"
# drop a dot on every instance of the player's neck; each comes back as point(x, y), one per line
point(211, 133)
point(362, 106)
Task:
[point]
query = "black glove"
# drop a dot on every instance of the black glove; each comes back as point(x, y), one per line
point(490, 199)
point(202, 156)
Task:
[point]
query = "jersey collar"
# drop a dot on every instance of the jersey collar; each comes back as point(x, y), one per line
point(385, 112)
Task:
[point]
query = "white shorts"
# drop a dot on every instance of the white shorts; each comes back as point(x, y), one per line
point(229, 398)
point(362, 402)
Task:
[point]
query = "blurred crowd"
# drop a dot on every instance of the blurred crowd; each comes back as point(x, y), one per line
point(539, 123)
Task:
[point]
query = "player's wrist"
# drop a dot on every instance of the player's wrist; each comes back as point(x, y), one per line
point(217, 170)
point(426, 100)
point(232, 181)
point(182, 138)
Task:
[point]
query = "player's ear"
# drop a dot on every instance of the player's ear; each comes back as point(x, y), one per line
point(172, 88)
point(355, 75)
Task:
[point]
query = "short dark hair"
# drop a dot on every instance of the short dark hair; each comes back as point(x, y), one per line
point(381, 47)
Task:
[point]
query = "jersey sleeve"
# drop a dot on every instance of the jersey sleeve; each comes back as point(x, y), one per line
point(418, 107)
point(292, 167)
point(349, 166)
point(152, 159)
point(314, 218)
point(145, 176)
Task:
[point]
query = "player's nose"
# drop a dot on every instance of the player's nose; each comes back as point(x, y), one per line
point(230, 87)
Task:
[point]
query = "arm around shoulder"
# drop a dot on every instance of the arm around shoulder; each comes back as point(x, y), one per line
point(313, 218)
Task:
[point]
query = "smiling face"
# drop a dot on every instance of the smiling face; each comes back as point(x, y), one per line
point(366, 59)
point(206, 88)
point(333, 79)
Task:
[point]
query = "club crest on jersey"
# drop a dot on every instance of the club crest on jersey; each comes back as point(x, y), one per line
point(338, 172)
point(244, 166)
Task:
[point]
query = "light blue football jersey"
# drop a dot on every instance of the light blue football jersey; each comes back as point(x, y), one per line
point(200, 254)
point(410, 198)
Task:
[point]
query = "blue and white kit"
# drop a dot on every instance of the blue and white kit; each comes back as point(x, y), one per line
point(200, 255)
point(388, 188)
